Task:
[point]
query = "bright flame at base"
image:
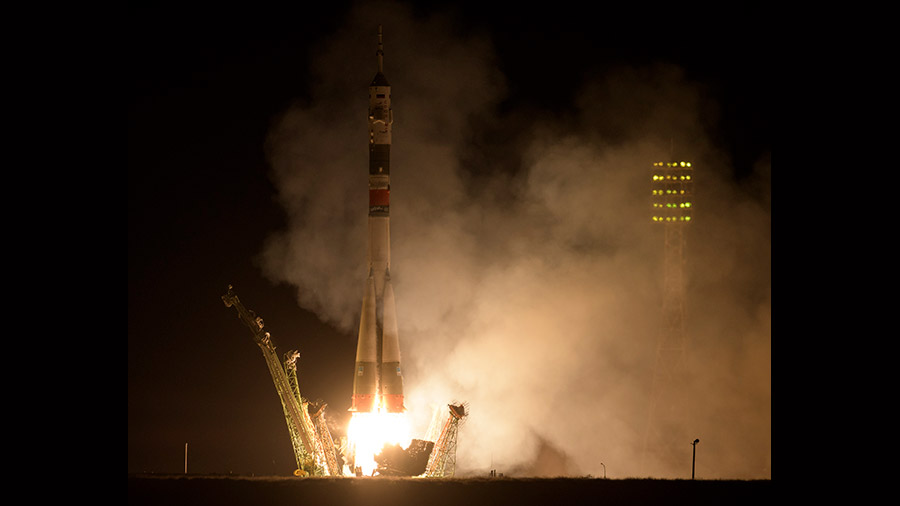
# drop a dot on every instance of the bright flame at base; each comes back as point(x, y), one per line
point(369, 432)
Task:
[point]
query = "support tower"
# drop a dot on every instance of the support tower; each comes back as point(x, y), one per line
point(672, 192)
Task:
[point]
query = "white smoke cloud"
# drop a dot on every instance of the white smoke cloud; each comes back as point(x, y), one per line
point(534, 294)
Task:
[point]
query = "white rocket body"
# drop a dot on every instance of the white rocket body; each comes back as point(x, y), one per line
point(378, 383)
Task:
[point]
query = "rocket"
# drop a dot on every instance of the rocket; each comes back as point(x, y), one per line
point(377, 380)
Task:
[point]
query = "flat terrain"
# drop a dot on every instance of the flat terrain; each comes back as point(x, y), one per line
point(240, 490)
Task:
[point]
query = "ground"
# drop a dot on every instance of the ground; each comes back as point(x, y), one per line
point(236, 490)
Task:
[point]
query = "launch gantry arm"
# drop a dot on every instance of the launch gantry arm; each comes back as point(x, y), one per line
point(325, 449)
point(253, 322)
point(307, 449)
point(442, 461)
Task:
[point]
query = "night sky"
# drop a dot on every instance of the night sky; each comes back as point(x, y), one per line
point(206, 88)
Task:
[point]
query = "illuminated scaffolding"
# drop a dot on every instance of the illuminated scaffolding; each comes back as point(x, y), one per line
point(672, 192)
point(309, 450)
point(442, 461)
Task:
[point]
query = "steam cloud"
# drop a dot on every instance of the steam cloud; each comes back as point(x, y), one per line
point(527, 273)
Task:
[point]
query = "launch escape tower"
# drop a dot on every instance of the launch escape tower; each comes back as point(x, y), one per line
point(672, 192)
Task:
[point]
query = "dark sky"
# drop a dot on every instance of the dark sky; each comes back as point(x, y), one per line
point(205, 88)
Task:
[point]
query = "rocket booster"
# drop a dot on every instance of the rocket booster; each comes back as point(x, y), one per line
point(377, 378)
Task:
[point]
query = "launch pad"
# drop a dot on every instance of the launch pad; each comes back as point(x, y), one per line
point(314, 448)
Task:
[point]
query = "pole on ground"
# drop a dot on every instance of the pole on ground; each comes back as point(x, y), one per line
point(694, 459)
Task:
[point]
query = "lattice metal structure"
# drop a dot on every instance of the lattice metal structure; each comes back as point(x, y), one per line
point(326, 441)
point(672, 192)
point(442, 462)
point(309, 454)
point(304, 458)
point(323, 451)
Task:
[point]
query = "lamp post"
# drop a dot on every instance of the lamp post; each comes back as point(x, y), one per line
point(694, 459)
point(604, 470)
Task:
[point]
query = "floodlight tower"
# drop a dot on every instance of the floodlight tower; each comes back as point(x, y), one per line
point(672, 192)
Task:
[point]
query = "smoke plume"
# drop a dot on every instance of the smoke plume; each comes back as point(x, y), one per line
point(526, 270)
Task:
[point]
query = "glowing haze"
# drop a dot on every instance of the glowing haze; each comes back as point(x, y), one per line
point(527, 272)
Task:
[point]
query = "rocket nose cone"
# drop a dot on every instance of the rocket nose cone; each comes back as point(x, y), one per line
point(379, 80)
